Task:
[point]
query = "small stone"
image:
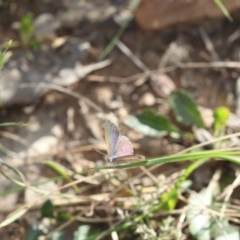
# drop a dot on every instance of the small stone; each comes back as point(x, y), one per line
point(44, 26)
point(103, 94)
point(162, 85)
point(147, 100)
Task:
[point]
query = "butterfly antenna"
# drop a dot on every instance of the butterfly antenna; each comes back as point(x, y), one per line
point(98, 151)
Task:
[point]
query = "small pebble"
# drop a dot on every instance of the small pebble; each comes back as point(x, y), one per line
point(147, 100)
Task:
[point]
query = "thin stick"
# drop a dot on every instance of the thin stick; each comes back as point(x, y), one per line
point(208, 44)
point(190, 65)
point(98, 151)
point(63, 90)
point(132, 57)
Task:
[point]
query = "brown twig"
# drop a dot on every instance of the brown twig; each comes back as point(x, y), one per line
point(211, 49)
point(196, 65)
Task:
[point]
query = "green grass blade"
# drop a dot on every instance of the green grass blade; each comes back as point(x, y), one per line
point(169, 199)
point(223, 9)
point(119, 33)
point(22, 186)
point(61, 171)
point(4, 53)
point(13, 124)
point(176, 158)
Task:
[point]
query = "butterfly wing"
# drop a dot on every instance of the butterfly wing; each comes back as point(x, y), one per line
point(111, 136)
point(124, 147)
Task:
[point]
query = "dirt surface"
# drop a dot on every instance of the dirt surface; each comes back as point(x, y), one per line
point(64, 127)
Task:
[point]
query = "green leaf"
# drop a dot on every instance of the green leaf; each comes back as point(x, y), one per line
point(198, 217)
point(223, 9)
point(63, 216)
point(234, 235)
point(152, 124)
point(222, 230)
point(47, 209)
point(34, 232)
point(82, 233)
point(170, 198)
point(185, 108)
point(57, 236)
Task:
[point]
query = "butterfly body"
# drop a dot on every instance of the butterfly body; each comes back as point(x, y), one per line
point(110, 159)
point(119, 147)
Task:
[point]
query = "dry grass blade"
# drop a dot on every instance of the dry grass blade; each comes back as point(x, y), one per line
point(15, 138)
point(212, 141)
point(229, 192)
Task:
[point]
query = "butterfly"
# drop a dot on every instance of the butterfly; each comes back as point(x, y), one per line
point(119, 148)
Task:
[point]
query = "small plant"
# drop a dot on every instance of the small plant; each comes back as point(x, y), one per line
point(2, 56)
point(26, 32)
point(26, 29)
